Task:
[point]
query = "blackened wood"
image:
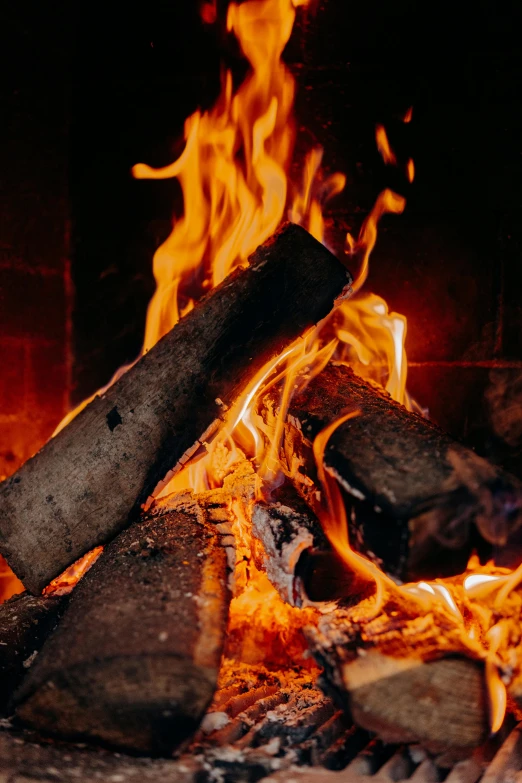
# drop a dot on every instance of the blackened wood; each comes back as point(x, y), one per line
point(135, 661)
point(285, 529)
point(89, 480)
point(25, 623)
point(418, 501)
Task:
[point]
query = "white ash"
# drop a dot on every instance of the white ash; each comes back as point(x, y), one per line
point(213, 721)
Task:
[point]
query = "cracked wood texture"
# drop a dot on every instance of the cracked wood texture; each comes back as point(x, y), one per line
point(135, 660)
point(418, 501)
point(284, 530)
point(87, 482)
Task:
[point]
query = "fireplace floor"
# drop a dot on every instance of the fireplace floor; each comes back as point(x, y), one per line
point(262, 726)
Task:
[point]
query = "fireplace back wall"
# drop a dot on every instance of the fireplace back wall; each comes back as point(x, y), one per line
point(91, 95)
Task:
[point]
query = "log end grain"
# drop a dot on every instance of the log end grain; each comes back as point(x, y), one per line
point(141, 704)
point(441, 704)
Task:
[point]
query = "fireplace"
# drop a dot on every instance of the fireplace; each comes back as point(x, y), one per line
point(396, 117)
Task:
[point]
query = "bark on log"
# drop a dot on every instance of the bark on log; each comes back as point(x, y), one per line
point(25, 623)
point(292, 548)
point(284, 528)
point(135, 661)
point(88, 481)
point(394, 688)
point(418, 502)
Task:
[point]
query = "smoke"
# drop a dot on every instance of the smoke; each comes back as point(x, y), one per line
point(504, 398)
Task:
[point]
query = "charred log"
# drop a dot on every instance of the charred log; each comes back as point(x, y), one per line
point(285, 529)
point(25, 623)
point(88, 481)
point(413, 494)
point(135, 661)
point(293, 550)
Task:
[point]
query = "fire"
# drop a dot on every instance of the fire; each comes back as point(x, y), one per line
point(479, 611)
point(233, 174)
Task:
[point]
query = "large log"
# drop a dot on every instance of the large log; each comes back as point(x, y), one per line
point(418, 501)
point(135, 660)
point(91, 479)
point(25, 623)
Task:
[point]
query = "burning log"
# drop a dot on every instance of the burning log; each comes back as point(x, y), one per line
point(388, 673)
point(135, 661)
point(441, 704)
point(25, 623)
point(413, 493)
point(91, 479)
point(284, 529)
point(294, 552)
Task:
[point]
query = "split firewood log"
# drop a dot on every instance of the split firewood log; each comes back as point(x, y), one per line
point(284, 528)
point(135, 660)
point(25, 623)
point(92, 478)
point(408, 679)
point(417, 501)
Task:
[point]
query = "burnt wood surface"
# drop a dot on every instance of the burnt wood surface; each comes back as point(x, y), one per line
point(285, 528)
point(25, 623)
point(420, 500)
point(88, 481)
point(135, 660)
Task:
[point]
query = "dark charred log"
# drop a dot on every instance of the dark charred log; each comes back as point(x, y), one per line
point(88, 481)
point(417, 501)
point(25, 623)
point(135, 661)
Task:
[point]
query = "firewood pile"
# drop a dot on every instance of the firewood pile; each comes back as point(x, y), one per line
point(235, 627)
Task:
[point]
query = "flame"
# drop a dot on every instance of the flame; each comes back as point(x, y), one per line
point(473, 608)
point(232, 170)
point(233, 174)
point(383, 145)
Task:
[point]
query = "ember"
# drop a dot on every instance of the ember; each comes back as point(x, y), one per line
point(259, 506)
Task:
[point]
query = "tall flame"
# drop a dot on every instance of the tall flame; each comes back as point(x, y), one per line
point(233, 174)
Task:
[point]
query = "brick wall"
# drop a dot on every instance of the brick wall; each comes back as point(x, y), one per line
point(34, 228)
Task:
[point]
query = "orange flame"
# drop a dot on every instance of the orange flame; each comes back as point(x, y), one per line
point(234, 180)
point(383, 145)
point(483, 635)
point(233, 173)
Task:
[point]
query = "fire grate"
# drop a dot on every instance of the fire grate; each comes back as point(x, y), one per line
point(263, 727)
